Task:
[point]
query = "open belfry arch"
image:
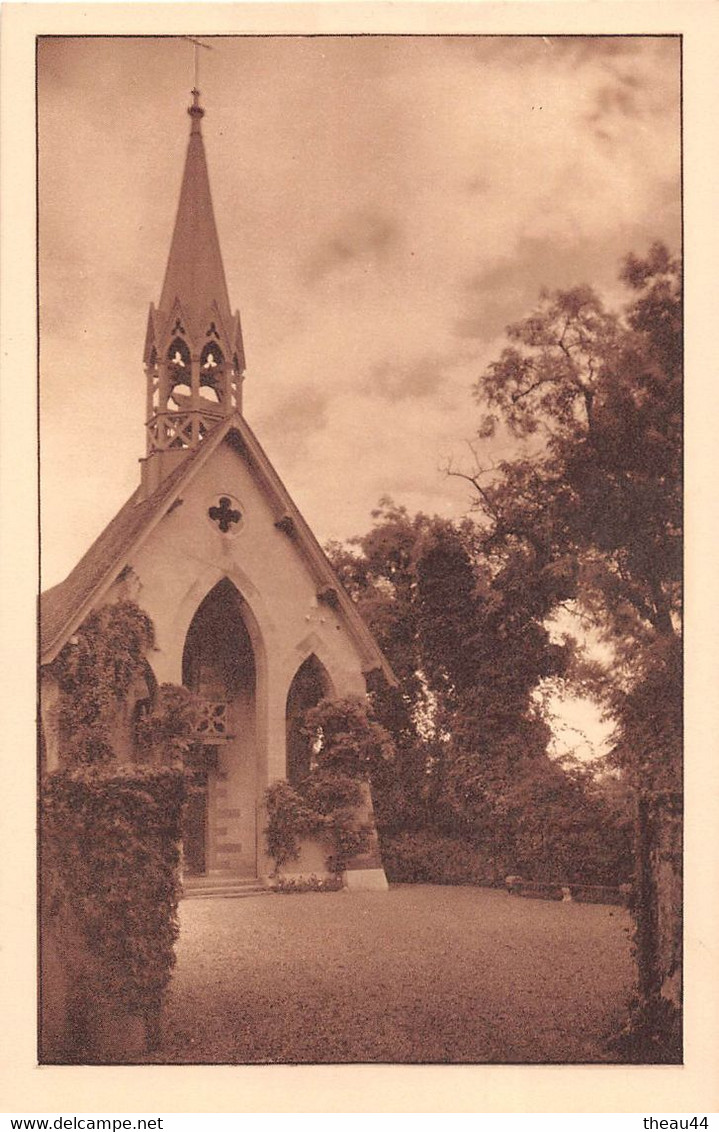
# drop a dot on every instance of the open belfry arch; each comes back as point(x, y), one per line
point(246, 608)
point(194, 359)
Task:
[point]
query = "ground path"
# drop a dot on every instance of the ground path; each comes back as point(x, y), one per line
point(421, 973)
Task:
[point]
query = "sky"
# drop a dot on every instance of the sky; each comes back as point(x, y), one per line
point(386, 206)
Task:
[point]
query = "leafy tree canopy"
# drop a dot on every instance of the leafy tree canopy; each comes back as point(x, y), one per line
point(587, 515)
point(596, 397)
point(594, 496)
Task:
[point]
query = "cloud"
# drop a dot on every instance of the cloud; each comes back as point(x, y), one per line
point(393, 381)
point(365, 236)
point(304, 408)
point(386, 206)
point(508, 290)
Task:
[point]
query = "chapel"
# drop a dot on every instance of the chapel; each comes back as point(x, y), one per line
point(247, 610)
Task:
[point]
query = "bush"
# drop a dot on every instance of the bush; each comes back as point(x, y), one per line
point(110, 832)
point(110, 857)
point(288, 886)
point(95, 671)
point(427, 857)
point(347, 743)
point(324, 806)
point(348, 739)
point(331, 794)
point(652, 1035)
point(289, 818)
point(165, 733)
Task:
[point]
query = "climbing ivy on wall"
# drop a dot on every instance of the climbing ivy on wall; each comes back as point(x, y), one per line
point(95, 671)
point(347, 744)
point(110, 853)
point(111, 829)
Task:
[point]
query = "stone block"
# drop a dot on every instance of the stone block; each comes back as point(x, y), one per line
point(365, 880)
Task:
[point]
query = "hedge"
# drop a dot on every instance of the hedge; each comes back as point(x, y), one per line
point(110, 861)
point(427, 857)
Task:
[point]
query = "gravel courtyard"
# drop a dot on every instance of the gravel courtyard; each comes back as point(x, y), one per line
point(418, 974)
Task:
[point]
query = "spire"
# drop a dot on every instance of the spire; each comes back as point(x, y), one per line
point(193, 351)
point(195, 275)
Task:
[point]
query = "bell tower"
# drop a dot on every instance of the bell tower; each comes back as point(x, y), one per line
point(194, 359)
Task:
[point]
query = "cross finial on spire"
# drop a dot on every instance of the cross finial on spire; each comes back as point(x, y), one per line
point(195, 111)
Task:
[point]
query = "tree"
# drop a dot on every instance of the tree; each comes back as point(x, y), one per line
point(600, 395)
point(465, 633)
point(593, 499)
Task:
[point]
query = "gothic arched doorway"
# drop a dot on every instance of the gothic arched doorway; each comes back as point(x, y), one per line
point(218, 664)
point(310, 685)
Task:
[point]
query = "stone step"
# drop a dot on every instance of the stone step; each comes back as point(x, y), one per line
point(226, 893)
point(191, 880)
point(223, 886)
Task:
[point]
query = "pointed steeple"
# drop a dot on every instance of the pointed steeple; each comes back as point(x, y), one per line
point(195, 276)
point(194, 358)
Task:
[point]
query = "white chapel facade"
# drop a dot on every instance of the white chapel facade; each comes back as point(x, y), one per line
point(246, 608)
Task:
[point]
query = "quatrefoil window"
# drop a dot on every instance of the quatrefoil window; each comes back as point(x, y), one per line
point(224, 514)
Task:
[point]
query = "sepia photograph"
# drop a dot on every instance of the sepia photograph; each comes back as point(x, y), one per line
point(361, 549)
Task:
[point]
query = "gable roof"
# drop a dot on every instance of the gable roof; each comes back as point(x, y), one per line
point(65, 606)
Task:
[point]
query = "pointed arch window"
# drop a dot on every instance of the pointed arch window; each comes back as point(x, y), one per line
point(311, 684)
